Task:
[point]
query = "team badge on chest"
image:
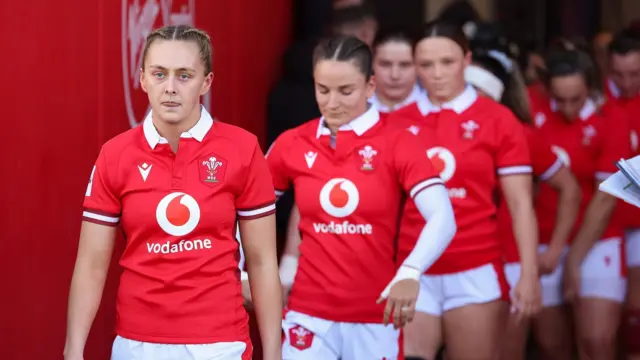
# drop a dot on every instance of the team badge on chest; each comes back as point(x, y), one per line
point(212, 169)
point(588, 132)
point(367, 157)
point(469, 129)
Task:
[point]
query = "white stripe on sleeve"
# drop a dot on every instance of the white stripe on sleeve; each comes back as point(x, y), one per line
point(256, 212)
point(435, 207)
point(423, 185)
point(104, 218)
point(515, 170)
point(552, 170)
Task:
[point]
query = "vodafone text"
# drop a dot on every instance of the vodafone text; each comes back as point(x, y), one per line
point(343, 228)
point(457, 193)
point(183, 245)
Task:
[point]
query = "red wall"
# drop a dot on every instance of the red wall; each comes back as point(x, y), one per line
point(62, 97)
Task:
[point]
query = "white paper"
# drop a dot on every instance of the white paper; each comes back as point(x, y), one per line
point(625, 184)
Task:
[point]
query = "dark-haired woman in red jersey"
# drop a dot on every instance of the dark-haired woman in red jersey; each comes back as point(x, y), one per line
point(477, 145)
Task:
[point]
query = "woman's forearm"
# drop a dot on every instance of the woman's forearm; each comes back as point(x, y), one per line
point(267, 301)
point(568, 208)
point(596, 219)
point(87, 286)
point(525, 229)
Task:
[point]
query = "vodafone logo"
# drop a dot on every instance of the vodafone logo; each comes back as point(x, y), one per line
point(139, 19)
point(443, 162)
point(178, 214)
point(339, 197)
point(562, 155)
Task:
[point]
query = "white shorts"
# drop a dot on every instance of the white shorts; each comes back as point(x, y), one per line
point(632, 242)
point(310, 338)
point(550, 284)
point(126, 349)
point(441, 293)
point(602, 272)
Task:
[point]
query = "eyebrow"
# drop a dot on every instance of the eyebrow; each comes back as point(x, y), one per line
point(160, 67)
point(340, 86)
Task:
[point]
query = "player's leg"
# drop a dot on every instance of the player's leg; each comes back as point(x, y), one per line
point(476, 310)
point(368, 341)
point(515, 337)
point(423, 336)
point(631, 318)
point(308, 338)
point(552, 326)
point(598, 310)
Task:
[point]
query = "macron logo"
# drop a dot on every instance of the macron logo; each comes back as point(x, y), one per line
point(144, 170)
point(310, 158)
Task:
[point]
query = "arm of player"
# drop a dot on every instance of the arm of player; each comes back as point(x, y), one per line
point(90, 272)
point(514, 168)
point(259, 240)
point(569, 196)
point(435, 207)
point(256, 217)
point(289, 261)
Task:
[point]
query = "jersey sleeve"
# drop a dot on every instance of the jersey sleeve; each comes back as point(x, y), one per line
point(616, 145)
point(544, 161)
point(276, 156)
point(414, 169)
point(257, 198)
point(101, 201)
point(512, 154)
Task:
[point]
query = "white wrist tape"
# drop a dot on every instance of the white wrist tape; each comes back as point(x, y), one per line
point(288, 269)
point(244, 276)
point(403, 273)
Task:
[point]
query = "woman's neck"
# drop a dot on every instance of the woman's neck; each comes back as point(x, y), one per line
point(389, 102)
point(335, 127)
point(439, 101)
point(172, 131)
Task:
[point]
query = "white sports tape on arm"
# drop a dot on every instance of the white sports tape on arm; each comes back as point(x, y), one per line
point(435, 207)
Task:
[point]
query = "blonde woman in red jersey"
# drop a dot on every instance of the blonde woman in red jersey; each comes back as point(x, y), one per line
point(477, 145)
point(495, 75)
point(623, 89)
point(590, 145)
point(351, 172)
point(395, 73)
point(178, 184)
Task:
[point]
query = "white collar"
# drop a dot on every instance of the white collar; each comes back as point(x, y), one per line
point(413, 97)
point(198, 131)
point(588, 109)
point(358, 125)
point(461, 103)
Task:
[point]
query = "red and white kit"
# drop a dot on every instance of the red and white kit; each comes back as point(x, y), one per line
point(587, 147)
point(181, 282)
point(472, 141)
point(349, 190)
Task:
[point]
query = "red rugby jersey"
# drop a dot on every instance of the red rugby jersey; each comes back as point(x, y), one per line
point(585, 145)
point(180, 283)
point(350, 202)
point(472, 141)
